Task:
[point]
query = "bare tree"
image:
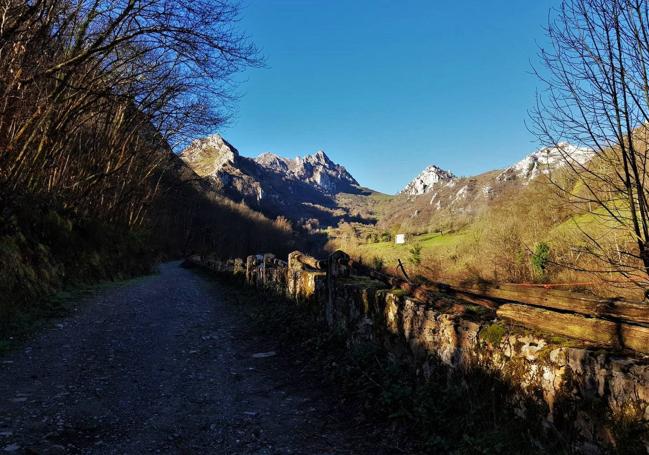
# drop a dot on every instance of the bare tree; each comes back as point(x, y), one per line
point(596, 95)
point(92, 92)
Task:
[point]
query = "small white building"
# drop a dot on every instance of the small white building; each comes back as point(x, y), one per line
point(400, 239)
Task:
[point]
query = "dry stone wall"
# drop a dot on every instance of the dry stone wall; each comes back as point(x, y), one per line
point(585, 391)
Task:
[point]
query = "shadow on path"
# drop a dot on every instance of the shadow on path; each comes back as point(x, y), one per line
point(159, 366)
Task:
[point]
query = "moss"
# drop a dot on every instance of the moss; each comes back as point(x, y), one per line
point(477, 309)
point(493, 333)
point(560, 341)
point(45, 251)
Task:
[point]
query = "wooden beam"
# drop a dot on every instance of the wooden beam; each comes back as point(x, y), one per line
point(628, 311)
point(494, 295)
point(635, 337)
point(594, 330)
point(562, 300)
point(311, 261)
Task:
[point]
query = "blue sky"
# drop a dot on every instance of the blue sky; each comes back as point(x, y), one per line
point(389, 87)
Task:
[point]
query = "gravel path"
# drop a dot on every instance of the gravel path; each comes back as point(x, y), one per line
point(163, 364)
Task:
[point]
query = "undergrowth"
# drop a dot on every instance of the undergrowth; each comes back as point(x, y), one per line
point(45, 250)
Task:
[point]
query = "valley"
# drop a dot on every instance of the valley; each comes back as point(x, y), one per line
point(297, 227)
point(483, 227)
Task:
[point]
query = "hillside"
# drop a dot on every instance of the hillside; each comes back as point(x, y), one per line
point(303, 189)
point(90, 189)
point(438, 200)
point(484, 227)
point(313, 191)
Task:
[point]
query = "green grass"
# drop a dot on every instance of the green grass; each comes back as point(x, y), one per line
point(597, 224)
point(430, 243)
point(584, 221)
point(493, 333)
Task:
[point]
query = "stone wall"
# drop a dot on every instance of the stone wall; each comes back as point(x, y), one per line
point(584, 391)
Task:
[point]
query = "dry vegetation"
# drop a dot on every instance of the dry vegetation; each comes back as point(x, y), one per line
point(93, 97)
point(531, 235)
point(591, 222)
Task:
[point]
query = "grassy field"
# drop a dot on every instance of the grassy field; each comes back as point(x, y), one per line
point(500, 248)
point(598, 225)
point(371, 206)
point(431, 244)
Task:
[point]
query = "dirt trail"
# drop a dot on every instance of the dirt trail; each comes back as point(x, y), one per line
point(163, 364)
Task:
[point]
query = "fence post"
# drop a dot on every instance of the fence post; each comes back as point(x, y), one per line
point(337, 267)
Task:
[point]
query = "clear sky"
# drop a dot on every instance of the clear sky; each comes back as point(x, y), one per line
point(389, 87)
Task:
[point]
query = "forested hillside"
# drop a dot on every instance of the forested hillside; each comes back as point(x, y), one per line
point(94, 96)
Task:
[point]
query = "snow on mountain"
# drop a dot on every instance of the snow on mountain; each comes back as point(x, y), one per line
point(426, 181)
point(545, 160)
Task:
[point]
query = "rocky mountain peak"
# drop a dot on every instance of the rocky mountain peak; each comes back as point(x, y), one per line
point(316, 169)
point(269, 181)
point(206, 156)
point(545, 160)
point(272, 161)
point(319, 170)
point(319, 158)
point(427, 180)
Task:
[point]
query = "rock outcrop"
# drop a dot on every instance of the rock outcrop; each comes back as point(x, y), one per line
point(427, 180)
point(207, 156)
point(545, 160)
point(300, 188)
point(316, 169)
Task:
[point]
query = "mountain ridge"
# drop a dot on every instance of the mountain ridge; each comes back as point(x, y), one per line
point(300, 189)
point(313, 190)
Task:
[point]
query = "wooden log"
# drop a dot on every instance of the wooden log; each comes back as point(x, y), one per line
point(313, 262)
point(558, 300)
point(593, 330)
point(628, 311)
point(635, 337)
point(561, 300)
point(423, 293)
point(470, 297)
point(360, 269)
point(492, 296)
point(476, 300)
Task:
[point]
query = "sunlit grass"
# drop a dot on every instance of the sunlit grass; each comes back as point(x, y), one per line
point(594, 223)
point(431, 242)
